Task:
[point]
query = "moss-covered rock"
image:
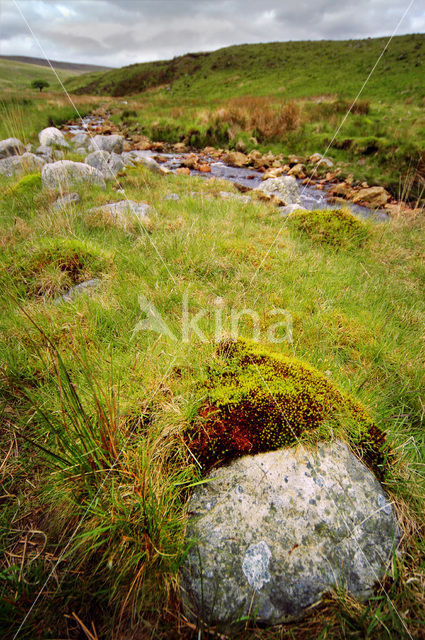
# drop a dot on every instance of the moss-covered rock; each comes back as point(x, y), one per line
point(261, 401)
point(338, 228)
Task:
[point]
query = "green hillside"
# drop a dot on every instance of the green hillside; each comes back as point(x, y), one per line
point(291, 69)
point(19, 75)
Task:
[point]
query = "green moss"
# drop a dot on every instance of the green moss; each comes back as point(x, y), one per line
point(338, 228)
point(261, 401)
point(28, 185)
point(53, 266)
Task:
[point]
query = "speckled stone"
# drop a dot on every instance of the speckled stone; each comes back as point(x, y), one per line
point(273, 532)
point(285, 188)
point(62, 175)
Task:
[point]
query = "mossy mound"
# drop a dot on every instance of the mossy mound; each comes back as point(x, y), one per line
point(260, 401)
point(338, 228)
point(53, 266)
point(28, 185)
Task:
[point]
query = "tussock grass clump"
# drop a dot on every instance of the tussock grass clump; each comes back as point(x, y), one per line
point(53, 266)
point(261, 116)
point(261, 401)
point(338, 228)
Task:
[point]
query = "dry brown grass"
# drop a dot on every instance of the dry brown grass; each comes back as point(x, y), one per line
point(260, 115)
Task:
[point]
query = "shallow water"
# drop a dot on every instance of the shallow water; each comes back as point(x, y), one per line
point(311, 197)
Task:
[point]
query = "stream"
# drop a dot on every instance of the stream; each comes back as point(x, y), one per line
point(311, 197)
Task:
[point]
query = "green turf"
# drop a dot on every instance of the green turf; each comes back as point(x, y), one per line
point(83, 381)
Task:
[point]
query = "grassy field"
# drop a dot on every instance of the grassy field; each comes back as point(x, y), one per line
point(306, 88)
point(80, 383)
point(97, 410)
point(281, 69)
point(25, 114)
point(19, 75)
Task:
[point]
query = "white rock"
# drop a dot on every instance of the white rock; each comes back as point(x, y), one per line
point(17, 165)
point(317, 158)
point(285, 188)
point(148, 162)
point(52, 136)
point(80, 140)
point(62, 175)
point(45, 152)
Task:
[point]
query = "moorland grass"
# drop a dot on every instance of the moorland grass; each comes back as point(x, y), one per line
point(289, 98)
point(95, 410)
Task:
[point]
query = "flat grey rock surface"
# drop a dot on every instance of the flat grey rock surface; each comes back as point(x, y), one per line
point(62, 175)
point(275, 531)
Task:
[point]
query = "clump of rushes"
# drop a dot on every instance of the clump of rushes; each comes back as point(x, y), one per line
point(338, 228)
point(261, 401)
point(52, 267)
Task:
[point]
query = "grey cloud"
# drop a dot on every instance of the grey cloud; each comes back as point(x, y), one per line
point(118, 32)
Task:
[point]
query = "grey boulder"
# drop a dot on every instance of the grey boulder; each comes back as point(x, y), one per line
point(109, 143)
point(60, 176)
point(18, 165)
point(11, 147)
point(146, 160)
point(45, 152)
point(65, 201)
point(285, 188)
point(80, 140)
point(273, 532)
point(109, 164)
point(51, 136)
point(124, 211)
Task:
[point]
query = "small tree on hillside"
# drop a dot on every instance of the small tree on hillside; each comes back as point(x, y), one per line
point(39, 84)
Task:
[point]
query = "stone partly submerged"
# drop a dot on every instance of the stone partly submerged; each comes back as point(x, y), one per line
point(284, 188)
point(63, 175)
point(273, 532)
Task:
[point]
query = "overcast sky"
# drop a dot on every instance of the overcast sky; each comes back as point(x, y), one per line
point(120, 32)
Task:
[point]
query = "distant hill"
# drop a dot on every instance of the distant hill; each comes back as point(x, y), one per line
point(67, 66)
point(293, 69)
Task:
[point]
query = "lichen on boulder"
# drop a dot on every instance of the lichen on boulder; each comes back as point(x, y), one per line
point(272, 533)
point(260, 401)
